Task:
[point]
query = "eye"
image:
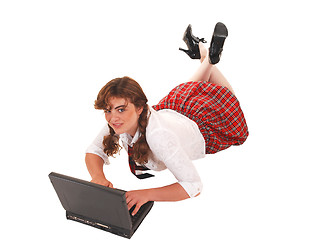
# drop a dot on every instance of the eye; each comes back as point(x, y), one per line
point(121, 110)
point(106, 111)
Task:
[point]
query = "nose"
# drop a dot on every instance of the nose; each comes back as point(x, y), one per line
point(111, 116)
point(114, 117)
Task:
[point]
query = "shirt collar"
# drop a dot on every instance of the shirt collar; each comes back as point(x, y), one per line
point(129, 140)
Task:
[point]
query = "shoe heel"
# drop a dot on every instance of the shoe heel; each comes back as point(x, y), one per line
point(184, 50)
point(191, 54)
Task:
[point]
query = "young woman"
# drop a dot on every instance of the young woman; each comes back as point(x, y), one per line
point(198, 117)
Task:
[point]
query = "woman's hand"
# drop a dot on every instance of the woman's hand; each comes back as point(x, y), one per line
point(138, 198)
point(94, 165)
point(173, 192)
point(102, 181)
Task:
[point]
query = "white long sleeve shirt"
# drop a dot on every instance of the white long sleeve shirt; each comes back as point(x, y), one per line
point(174, 140)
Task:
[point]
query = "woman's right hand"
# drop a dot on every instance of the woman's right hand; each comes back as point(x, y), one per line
point(94, 165)
point(102, 181)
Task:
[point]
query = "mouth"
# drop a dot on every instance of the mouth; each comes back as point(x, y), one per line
point(116, 125)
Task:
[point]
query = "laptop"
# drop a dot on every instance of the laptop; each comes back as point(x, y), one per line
point(97, 206)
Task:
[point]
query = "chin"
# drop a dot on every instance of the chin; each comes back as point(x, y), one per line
point(118, 131)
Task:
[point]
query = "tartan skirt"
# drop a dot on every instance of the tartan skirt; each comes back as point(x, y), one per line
point(215, 110)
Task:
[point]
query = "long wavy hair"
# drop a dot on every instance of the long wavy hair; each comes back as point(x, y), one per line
point(130, 90)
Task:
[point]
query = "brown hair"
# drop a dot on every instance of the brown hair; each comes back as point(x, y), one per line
point(130, 90)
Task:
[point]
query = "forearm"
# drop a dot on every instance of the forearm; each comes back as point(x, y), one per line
point(94, 165)
point(173, 192)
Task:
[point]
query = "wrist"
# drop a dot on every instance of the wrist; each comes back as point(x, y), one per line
point(150, 194)
point(98, 176)
point(173, 192)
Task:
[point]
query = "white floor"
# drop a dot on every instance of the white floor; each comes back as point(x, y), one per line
point(56, 55)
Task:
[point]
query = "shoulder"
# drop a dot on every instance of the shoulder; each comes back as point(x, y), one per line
point(170, 131)
point(162, 140)
point(165, 118)
point(159, 124)
point(170, 121)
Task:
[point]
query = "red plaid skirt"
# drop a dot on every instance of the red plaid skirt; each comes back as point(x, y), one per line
point(214, 108)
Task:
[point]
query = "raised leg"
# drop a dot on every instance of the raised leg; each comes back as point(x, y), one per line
point(208, 72)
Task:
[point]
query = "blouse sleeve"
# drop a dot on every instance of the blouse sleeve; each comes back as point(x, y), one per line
point(165, 145)
point(96, 146)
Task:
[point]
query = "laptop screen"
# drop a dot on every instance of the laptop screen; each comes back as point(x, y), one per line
point(107, 205)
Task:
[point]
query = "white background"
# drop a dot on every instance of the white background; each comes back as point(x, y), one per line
point(56, 55)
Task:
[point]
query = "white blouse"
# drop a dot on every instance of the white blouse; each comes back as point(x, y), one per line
point(174, 140)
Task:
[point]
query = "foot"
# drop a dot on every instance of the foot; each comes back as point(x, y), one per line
point(191, 42)
point(216, 46)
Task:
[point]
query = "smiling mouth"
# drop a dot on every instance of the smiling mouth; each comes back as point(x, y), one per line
point(117, 125)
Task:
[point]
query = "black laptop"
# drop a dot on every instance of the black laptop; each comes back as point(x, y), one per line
point(97, 206)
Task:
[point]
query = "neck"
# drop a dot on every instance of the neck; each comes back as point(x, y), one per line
point(133, 132)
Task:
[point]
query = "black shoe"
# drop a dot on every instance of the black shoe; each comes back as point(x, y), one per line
point(192, 43)
point(216, 46)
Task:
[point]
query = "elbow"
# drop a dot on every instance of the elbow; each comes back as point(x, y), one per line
point(193, 189)
point(199, 187)
point(198, 191)
point(197, 194)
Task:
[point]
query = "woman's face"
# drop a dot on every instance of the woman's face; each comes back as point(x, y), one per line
point(123, 116)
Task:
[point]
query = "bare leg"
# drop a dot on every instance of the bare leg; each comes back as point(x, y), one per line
point(208, 72)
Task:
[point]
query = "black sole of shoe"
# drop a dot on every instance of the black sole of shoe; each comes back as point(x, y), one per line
point(219, 35)
point(220, 30)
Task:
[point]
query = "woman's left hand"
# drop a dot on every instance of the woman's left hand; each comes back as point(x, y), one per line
point(138, 198)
